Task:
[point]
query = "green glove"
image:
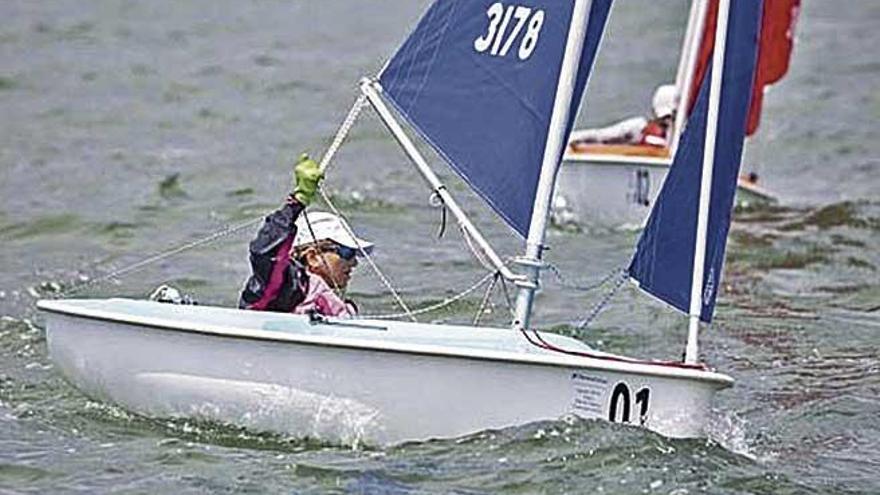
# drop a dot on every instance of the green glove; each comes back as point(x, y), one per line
point(307, 174)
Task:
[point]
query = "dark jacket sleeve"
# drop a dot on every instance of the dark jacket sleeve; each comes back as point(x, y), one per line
point(275, 235)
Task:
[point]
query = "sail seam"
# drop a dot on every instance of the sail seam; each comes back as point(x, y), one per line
point(436, 51)
point(507, 87)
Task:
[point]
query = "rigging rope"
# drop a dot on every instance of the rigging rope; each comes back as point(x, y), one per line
point(369, 259)
point(433, 307)
point(599, 307)
point(580, 287)
point(341, 134)
point(485, 302)
point(343, 131)
point(327, 158)
point(228, 230)
point(476, 252)
point(623, 275)
point(507, 298)
point(407, 312)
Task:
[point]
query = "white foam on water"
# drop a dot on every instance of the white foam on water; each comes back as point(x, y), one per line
point(267, 407)
point(730, 431)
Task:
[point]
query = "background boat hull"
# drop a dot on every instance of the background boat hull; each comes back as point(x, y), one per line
point(620, 191)
point(609, 192)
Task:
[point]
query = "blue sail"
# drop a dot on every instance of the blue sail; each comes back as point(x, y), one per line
point(663, 262)
point(477, 79)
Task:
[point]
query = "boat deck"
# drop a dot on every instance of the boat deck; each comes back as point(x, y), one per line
point(281, 325)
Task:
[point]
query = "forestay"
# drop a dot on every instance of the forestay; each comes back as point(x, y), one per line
point(663, 264)
point(477, 79)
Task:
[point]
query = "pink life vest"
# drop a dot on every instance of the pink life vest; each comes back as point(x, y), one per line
point(322, 299)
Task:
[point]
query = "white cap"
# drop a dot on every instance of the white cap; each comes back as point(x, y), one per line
point(665, 100)
point(327, 226)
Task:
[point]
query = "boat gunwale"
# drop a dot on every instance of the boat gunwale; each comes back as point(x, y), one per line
point(624, 365)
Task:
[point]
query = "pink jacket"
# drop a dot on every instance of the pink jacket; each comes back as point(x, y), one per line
point(321, 298)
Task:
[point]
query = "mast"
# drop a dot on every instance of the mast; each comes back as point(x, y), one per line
point(696, 301)
point(687, 45)
point(531, 261)
point(689, 54)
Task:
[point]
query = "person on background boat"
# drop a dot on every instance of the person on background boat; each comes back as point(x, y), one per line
point(636, 130)
point(302, 263)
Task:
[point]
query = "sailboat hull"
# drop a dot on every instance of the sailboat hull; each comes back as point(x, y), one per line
point(306, 382)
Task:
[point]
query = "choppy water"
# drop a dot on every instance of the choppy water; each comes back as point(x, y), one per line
point(128, 127)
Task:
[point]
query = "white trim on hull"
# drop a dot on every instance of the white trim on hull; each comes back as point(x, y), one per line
point(377, 387)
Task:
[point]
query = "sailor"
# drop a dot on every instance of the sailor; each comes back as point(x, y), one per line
point(302, 263)
point(637, 130)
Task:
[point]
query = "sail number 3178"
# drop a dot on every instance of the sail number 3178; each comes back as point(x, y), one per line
point(505, 26)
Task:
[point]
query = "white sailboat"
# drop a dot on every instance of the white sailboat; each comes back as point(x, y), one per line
point(617, 184)
point(385, 382)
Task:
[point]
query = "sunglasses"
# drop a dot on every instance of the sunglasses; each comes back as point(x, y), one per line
point(343, 252)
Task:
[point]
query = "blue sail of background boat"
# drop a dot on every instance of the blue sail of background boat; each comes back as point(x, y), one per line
point(663, 262)
point(477, 79)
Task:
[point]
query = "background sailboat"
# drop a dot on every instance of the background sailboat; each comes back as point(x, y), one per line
point(616, 184)
point(392, 381)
